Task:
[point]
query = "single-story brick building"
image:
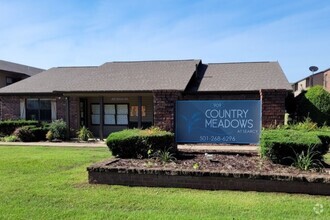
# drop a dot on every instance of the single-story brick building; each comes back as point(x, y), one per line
point(14, 72)
point(119, 95)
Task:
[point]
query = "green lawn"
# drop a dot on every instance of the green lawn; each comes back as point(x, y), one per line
point(51, 183)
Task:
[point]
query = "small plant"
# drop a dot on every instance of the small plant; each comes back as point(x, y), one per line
point(149, 164)
point(306, 160)
point(84, 134)
point(149, 153)
point(49, 135)
point(196, 166)
point(165, 156)
point(58, 129)
point(307, 125)
point(10, 138)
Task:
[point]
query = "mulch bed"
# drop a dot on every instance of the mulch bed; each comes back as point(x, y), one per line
point(219, 163)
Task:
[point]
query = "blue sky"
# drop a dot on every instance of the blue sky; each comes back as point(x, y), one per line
point(68, 33)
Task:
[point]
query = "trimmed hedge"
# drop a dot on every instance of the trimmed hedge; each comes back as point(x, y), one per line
point(315, 104)
point(7, 127)
point(135, 143)
point(31, 133)
point(281, 144)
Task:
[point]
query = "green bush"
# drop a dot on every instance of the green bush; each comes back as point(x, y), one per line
point(7, 127)
point(10, 138)
point(84, 134)
point(279, 145)
point(307, 125)
point(24, 134)
point(30, 133)
point(135, 143)
point(307, 160)
point(39, 133)
point(315, 104)
point(58, 129)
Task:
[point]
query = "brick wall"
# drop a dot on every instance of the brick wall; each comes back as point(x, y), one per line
point(164, 108)
point(74, 114)
point(10, 107)
point(100, 174)
point(273, 107)
point(60, 108)
point(74, 111)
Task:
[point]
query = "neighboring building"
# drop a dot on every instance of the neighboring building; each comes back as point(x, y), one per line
point(14, 72)
point(119, 95)
point(321, 78)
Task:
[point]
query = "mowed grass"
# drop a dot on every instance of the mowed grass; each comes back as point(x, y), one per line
point(51, 183)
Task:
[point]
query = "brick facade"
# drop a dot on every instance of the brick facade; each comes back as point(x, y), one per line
point(164, 108)
point(74, 114)
point(10, 107)
point(273, 107)
point(104, 173)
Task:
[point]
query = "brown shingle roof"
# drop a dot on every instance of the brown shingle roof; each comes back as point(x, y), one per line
point(113, 76)
point(19, 68)
point(249, 76)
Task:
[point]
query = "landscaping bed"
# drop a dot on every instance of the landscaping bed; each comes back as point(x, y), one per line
point(218, 171)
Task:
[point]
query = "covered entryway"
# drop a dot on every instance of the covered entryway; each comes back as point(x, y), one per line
point(107, 113)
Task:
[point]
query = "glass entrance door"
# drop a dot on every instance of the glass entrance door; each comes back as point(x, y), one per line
point(83, 112)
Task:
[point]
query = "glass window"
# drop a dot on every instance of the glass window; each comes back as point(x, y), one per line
point(109, 114)
point(38, 109)
point(10, 80)
point(122, 114)
point(122, 119)
point(109, 119)
point(134, 111)
point(122, 109)
point(114, 114)
point(96, 114)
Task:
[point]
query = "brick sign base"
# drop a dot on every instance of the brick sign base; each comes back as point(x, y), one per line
point(104, 173)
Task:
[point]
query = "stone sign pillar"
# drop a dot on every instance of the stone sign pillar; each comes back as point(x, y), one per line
point(273, 106)
point(164, 108)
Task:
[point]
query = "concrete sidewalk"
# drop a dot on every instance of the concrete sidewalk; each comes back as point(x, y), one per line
point(249, 149)
point(56, 144)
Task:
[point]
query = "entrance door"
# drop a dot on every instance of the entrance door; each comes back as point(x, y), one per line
point(83, 112)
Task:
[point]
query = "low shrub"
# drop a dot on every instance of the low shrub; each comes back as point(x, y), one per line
point(307, 160)
point(10, 138)
point(307, 125)
point(30, 133)
point(84, 134)
point(49, 135)
point(279, 145)
point(24, 134)
point(165, 156)
point(314, 103)
point(58, 129)
point(136, 143)
point(7, 127)
point(39, 133)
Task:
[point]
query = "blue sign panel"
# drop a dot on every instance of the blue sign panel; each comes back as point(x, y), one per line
point(218, 121)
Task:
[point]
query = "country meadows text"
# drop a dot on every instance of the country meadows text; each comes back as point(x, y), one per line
point(228, 118)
